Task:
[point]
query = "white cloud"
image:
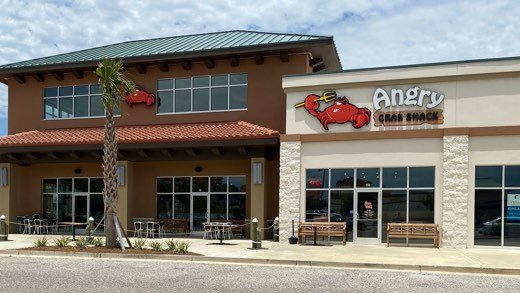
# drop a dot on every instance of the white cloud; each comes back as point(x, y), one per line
point(367, 33)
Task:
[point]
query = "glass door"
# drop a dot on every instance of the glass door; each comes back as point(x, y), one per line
point(367, 228)
point(199, 211)
point(80, 204)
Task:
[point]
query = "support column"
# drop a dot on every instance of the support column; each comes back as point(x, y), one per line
point(258, 194)
point(290, 182)
point(455, 191)
point(7, 196)
point(124, 193)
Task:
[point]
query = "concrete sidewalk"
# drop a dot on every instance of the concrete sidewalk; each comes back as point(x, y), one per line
point(375, 256)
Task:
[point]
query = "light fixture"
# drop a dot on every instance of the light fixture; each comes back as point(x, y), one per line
point(121, 175)
point(3, 176)
point(257, 173)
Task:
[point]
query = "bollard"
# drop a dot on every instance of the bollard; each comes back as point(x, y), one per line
point(255, 234)
point(4, 229)
point(276, 229)
point(90, 228)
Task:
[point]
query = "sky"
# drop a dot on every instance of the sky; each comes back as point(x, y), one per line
point(367, 33)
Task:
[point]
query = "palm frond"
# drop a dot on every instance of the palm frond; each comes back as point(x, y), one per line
point(114, 83)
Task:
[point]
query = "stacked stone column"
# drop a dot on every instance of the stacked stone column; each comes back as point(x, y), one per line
point(290, 181)
point(455, 191)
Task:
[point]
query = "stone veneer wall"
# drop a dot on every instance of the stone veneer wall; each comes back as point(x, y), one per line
point(290, 165)
point(455, 191)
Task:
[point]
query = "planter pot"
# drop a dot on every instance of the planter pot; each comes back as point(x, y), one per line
point(293, 240)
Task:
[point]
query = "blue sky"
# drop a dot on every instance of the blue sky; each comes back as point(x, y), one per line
point(367, 33)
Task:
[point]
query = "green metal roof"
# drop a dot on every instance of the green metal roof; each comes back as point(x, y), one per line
point(169, 46)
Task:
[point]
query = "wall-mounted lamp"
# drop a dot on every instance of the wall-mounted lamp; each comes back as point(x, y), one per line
point(121, 175)
point(3, 176)
point(258, 173)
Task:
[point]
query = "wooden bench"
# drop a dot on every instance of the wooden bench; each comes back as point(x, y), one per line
point(324, 229)
point(180, 225)
point(417, 231)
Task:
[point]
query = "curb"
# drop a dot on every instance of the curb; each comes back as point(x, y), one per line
point(264, 261)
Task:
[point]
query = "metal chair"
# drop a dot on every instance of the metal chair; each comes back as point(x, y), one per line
point(27, 226)
point(138, 229)
point(153, 228)
point(39, 227)
point(208, 230)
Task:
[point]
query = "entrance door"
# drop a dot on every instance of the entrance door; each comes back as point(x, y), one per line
point(80, 204)
point(367, 228)
point(199, 211)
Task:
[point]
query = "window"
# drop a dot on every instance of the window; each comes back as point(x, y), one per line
point(227, 196)
point(497, 206)
point(202, 93)
point(58, 197)
point(407, 194)
point(68, 102)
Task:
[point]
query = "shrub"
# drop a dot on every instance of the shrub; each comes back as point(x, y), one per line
point(171, 244)
point(139, 243)
point(97, 241)
point(182, 247)
point(156, 245)
point(82, 242)
point(63, 241)
point(41, 242)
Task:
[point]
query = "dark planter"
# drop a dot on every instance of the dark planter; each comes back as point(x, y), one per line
point(293, 240)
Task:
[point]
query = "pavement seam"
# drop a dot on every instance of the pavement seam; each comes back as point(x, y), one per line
point(265, 261)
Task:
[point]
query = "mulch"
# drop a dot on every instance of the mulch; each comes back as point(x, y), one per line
point(107, 250)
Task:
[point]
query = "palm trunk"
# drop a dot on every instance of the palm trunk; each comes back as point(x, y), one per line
point(110, 179)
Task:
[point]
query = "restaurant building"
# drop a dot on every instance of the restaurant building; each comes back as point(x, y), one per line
point(432, 143)
point(198, 141)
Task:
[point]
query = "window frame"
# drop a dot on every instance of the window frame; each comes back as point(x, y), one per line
point(355, 188)
point(209, 87)
point(191, 192)
point(73, 96)
point(503, 189)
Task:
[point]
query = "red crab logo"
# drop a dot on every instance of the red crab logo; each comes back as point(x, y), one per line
point(140, 96)
point(340, 112)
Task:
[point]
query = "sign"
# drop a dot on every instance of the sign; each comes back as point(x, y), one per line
point(513, 207)
point(413, 98)
point(339, 112)
point(140, 96)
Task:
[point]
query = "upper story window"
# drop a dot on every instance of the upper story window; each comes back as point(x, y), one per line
point(67, 102)
point(202, 93)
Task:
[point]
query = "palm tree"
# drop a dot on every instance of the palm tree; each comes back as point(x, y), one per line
point(115, 86)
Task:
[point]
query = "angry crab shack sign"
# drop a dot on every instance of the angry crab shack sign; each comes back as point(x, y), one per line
point(414, 106)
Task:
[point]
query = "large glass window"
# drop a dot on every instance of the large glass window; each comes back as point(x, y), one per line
point(201, 94)
point(57, 197)
point(73, 102)
point(497, 206)
point(407, 194)
point(227, 195)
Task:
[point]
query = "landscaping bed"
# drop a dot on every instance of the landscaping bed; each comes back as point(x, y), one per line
point(107, 250)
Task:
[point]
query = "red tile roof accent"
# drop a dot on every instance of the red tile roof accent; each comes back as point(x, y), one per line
point(218, 131)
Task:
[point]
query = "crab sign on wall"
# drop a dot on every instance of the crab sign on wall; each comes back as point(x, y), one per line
point(341, 111)
point(140, 96)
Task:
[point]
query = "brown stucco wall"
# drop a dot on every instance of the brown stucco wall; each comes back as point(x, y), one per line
point(142, 186)
point(28, 198)
point(266, 99)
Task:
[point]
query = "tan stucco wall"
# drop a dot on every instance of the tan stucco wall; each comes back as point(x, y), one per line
point(470, 101)
point(266, 99)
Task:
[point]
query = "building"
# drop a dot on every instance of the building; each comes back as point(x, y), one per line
point(431, 143)
point(188, 152)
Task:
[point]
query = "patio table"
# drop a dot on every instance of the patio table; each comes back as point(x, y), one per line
point(220, 226)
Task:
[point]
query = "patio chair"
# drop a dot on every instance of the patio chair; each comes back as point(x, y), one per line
point(153, 228)
point(138, 229)
point(39, 227)
point(52, 226)
point(27, 226)
point(19, 224)
point(208, 231)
